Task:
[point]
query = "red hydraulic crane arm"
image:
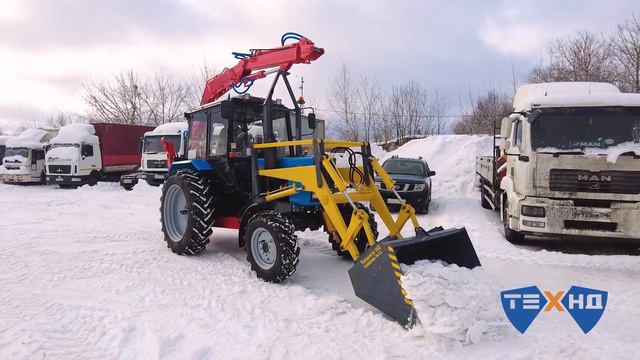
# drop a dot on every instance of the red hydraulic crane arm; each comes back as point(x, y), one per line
point(256, 64)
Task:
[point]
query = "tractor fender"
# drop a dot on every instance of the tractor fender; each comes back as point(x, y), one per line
point(197, 165)
point(247, 214)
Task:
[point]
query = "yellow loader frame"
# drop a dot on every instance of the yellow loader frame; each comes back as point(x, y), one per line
point(305, 178)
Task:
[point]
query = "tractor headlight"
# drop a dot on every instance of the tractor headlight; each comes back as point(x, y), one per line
point(419, 187)
point(534, 211)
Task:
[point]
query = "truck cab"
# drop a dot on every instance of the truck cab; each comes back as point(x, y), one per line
point(24, 157)
point(572, 168)
point(154, 159)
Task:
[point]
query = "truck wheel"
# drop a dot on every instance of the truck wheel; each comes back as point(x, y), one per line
point(511, 235)
point(483, 200)
point(93, 179)
point(361, 239)
point(187, 212)
point(271, 245)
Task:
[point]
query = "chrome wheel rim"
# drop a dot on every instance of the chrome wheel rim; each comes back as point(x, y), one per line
point(175, 213)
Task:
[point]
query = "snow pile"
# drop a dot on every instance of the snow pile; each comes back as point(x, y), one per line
point(456, 304)
point(75, 134)
point(172, 128)
point(452, 157)
point(31, 138)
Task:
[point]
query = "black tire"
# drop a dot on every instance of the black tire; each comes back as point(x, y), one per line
point(361, 239)
point(93, 179)
point(67, 186)
point(483, 200)
point(511, 235)
point(200, 208)
point(284, 250)
point(127, 187)
point(43, 178)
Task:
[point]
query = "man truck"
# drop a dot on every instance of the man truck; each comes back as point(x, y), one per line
point(153, 165)
point(23, 161)
point(567, 163)
point(88, 153)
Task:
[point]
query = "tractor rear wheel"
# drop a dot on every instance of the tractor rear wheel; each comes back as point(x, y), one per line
point(361, 239)
point(272, 247)
point(187, 212)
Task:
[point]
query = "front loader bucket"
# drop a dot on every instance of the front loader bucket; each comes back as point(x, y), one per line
point(376, 275)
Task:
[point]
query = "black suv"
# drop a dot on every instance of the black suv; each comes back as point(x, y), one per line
point(413, 182)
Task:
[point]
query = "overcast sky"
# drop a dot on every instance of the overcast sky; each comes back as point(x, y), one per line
point(48, 48)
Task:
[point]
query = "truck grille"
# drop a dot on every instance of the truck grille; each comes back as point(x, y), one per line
point(157, 164)
point(612, 182)
point(59, 169)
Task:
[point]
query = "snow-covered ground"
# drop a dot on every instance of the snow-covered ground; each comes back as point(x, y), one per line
point(85, 274)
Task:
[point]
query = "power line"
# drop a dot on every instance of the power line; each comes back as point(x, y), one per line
point(417, 116)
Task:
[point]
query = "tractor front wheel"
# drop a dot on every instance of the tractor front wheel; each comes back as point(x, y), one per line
point(272, 247)
point(187, 212)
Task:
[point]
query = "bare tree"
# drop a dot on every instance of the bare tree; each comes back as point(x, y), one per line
point(370, 103)
point(483, 112)
point(165, 99)
point(626, 44)
point(197, 81)
point(582, 57)
point(438, 107)
point(117, 100)
point(343, 99)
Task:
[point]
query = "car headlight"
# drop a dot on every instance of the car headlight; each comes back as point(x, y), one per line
point(533, 211)
point(419, 187)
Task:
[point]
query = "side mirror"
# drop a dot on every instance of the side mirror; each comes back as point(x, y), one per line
point(505, 127)
point(311, 118)
point(505, 144)
point(532, 116)
point(431, 173)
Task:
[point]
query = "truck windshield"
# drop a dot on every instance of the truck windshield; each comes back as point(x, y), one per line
point(579, 128)
point(404, 167)
point(24, 152)
point(152, 144)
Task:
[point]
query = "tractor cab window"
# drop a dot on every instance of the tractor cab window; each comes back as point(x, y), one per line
point(197, 136)
point(219, 137)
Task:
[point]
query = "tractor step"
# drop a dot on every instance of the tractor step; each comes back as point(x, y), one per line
point(376, 276)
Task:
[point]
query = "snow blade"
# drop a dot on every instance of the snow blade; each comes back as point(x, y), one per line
point(376, 275)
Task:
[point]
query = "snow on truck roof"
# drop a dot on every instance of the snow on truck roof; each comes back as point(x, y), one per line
point(172, 128)
point(75, 134)
point(571, 94)
point(32, 138)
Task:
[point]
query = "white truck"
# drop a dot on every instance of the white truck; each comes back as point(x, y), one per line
point(24, 154)
point(88, 153)
point(153, 164)
point(567, 163)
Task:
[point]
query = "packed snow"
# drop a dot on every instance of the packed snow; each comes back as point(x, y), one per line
point(32, 138)
point(75, 134)
point(85, 274)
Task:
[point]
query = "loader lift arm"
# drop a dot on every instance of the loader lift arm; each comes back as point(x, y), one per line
point(258, 64)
